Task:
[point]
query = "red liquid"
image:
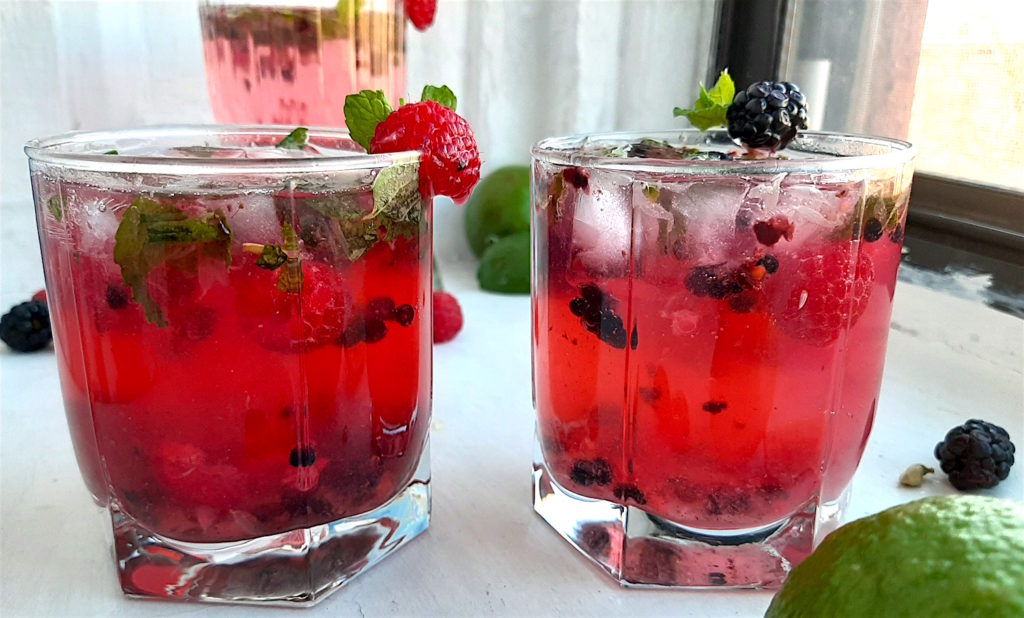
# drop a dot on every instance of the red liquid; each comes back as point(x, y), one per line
point(218, 426)
point(719, 413)
point(291, 66)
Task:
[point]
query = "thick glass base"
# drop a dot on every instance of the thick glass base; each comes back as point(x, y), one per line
point(296, 568)
point(639, 549)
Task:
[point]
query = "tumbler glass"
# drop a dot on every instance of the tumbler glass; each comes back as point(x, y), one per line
point(709, 330)
point(243, 336)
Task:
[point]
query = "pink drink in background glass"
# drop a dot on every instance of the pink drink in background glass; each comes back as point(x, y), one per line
point(292, 64)
point(709, 335)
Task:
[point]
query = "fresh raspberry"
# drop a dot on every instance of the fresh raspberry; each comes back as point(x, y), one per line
point(283, 324)
point(421, 12)
point(450, 163)
point(40, 296)
point(447, 317)
point(825, 296)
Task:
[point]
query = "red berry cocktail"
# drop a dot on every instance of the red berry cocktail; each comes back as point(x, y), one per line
point(708, 340)
point(242, 322)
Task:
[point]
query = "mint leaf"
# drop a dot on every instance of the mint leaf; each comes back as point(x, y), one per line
point(711, 105)
point(290, 281)
point(151, 232)
point(271, 257)
point(724, 90)
point(296, 140)
point(363, 112)
point(396, 192)
point(110, 152)
point(397, 211)
point(442, 95)
point(56, 207)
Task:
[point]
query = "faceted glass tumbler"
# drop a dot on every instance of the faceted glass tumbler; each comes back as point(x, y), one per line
point(709, 332)
point(243, 336)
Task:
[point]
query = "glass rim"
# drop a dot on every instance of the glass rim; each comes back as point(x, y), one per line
point(49, 150)
point(566, 150)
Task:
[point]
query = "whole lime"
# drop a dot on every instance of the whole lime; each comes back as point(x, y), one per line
point(499, 206)
point(505, 266)
point(936, 557)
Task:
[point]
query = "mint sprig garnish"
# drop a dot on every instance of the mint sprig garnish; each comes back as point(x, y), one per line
point(363, 112)
point(440, 94)
point(296, 140)
point(711, 105)
point(151, 232)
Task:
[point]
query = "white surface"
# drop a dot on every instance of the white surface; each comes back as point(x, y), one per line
point(486, 553)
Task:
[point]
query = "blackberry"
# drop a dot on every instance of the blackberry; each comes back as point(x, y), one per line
point(374, 329)
point(630, 492)
point(597, 315)
point(26, 327)
point(873, 230)
point(975, 455)
point(302, 457)
point(715, 407)
point(767, 114)
point(770, 263)
point(713, 281)
point(117, 297)
point(381, 308)
point(404, 314)
point(585, 472)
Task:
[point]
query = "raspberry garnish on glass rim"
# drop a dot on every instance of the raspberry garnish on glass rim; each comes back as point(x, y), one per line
point(449, 163)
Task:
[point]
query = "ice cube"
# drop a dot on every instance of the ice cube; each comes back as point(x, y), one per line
point(602, 224)
point(253, 219)
point(709, 208)
point(97, 224)
point(766, 191)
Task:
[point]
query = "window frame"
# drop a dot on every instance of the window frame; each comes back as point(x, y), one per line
point(751, 38)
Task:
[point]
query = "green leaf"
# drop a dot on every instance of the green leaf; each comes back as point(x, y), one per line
point(396, 192)
point(711, 105)
point(150, 232)
point(363, 112)
point(724, 90)
point(271, 258)
point(290, 280)
point(56, 207)
point(397, 211)
point(442, 95)
point(296, 140)
point(110, 152)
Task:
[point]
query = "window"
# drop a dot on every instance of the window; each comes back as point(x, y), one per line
point(947, 76)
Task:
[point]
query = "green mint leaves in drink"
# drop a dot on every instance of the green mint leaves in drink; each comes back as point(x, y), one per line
point(711, 105)
point(56, 207)
point(440, 94)
point(363, 112)
point(152, 232)
point(296, 140)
